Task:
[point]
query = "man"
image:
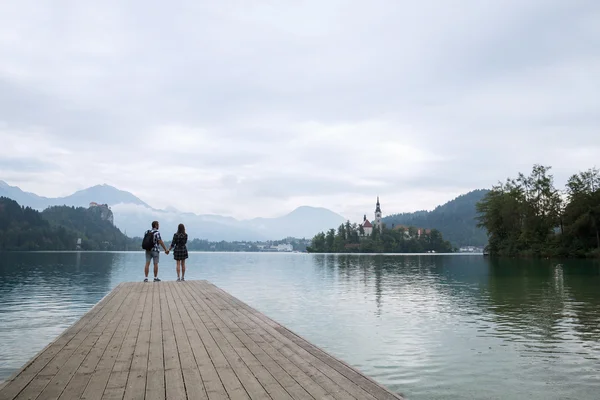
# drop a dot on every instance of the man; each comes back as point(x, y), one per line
point(155, 252)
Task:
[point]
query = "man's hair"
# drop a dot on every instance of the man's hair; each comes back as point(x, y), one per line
point(155, 224)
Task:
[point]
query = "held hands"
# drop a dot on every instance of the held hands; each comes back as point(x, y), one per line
point(167, 251)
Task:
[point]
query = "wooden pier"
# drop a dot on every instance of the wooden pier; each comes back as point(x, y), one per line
point(183, 340)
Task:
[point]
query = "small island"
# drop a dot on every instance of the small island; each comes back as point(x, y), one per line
point(376, 237)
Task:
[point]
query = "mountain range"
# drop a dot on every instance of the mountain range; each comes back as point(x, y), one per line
point(454, 219)
point(133, 216)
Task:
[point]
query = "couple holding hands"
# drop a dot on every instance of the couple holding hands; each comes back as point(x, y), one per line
point(151, 243)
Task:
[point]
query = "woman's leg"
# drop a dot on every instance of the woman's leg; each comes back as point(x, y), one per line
point(183, 268)
point(178, 262)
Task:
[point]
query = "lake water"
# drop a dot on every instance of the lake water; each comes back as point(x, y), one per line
point(427, 326)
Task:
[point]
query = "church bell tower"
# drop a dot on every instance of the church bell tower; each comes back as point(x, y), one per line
point(378, 215)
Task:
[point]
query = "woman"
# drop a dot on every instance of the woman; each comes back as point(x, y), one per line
point(180, 253)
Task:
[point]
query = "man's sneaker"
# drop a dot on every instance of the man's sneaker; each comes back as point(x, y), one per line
point(146, 280)
point(156, 280)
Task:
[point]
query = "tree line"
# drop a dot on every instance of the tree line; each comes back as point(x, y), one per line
point(528, 216)
point(351, 238)
point(58, 228)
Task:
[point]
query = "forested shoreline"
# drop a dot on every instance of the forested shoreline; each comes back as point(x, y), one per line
point(58, 228)
point(527, 216)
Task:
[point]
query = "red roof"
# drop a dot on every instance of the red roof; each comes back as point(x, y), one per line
point(367, 224)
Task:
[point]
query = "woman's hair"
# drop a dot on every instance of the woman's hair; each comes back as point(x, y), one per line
point(181, 228)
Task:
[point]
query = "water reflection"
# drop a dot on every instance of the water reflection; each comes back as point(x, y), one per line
point(439, 320)
point(546, 299)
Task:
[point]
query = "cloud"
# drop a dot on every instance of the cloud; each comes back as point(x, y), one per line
point(252, 109)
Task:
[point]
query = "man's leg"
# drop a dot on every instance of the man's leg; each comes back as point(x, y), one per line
point(147, 266)
point(155, 255)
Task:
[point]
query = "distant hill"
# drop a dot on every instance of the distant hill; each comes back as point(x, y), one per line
point(303, 222)
point(133, 216)
point(455, 220)
point(102, 194)
point(58, 228)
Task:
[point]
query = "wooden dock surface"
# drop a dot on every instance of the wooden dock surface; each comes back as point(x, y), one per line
point(183, 340)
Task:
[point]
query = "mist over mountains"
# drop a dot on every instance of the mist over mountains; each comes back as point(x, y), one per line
point(133, 216)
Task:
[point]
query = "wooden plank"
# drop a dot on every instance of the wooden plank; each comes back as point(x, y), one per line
point(231, 382)
point(192, 381)
point(210, 377)
point(20, 379)
point(100, 377)
point(135, 387)
point(117, 381)
point(155, 382)
point(174, 388)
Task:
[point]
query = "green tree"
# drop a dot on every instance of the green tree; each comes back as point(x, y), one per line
point(527, 216)
point(329, 241)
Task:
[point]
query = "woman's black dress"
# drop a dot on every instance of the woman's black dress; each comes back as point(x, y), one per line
point(179, 244)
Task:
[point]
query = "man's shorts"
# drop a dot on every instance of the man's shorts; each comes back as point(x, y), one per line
point(152, 255)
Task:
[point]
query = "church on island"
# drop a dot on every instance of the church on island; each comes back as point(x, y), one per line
point(367, 227)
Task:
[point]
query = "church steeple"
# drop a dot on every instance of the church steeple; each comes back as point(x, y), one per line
point(378, 215)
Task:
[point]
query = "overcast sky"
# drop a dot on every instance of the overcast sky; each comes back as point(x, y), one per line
point(251, 108)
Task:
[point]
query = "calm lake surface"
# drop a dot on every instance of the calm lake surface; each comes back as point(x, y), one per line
point(427, 326)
